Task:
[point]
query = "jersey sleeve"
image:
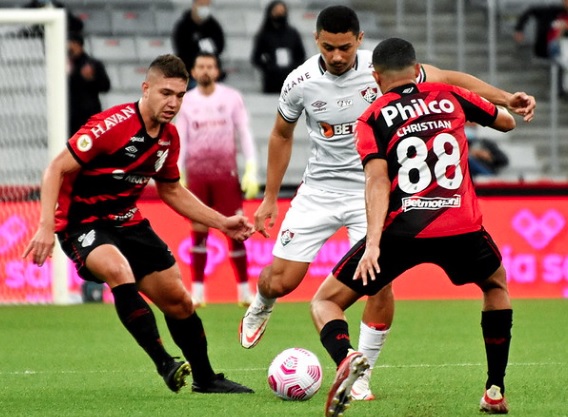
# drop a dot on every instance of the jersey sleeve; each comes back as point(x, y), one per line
point(85, 145)
point(365, 141)
point(291, 101)
point(170, 171)
point(476, 108)
point(242, 127)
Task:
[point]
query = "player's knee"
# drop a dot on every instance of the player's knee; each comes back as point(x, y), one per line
point(115, 274)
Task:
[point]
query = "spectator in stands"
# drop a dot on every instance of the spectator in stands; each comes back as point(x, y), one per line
point(210, 120)
point(87, 78)
point(544, 17)
point(278, 47)
point(485, 157)
point(198, 31)
point(74, 24)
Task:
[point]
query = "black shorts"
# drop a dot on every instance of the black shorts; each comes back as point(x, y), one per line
point(467, 258)
point(140, 245)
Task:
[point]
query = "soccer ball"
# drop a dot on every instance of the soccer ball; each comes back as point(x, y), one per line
point(295, 374)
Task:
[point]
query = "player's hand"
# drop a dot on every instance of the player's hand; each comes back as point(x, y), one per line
point(368, 267)
point(249, 182)
point(41, 246)
point(237, 227)
point(522, 104)
point(267, 211)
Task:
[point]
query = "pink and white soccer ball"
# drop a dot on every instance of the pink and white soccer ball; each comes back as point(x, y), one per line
point(295, 374)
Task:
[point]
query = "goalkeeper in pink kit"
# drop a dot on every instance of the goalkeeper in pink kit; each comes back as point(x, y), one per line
point(210, 120)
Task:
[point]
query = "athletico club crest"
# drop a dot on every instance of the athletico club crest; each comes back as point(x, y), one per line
point(286, 237)
point(369, 94)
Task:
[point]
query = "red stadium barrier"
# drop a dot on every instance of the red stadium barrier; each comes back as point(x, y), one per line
point(532, 233)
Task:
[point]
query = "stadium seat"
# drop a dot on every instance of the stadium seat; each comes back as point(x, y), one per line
point(133, 22)
point(165, 21)
point(232, 21)
point(237, 50)
point(96, 21)
point(148, 48)
point(132, 76)
point(113, 48)
point(253, 21)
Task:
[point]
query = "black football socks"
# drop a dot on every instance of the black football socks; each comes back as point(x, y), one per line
point(496, 326)
point(334, 337)
point(138, 318)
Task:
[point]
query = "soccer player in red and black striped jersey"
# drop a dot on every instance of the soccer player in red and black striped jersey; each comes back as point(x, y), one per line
point(421, 208)
point(88, 199)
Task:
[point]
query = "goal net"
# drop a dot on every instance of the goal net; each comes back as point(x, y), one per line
point(33, 129)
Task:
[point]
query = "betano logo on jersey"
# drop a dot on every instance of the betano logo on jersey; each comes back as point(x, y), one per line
point(425, 203)
point(417, 107)
point(329, 130)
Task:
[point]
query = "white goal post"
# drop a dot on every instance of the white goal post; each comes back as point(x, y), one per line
point(55, 51)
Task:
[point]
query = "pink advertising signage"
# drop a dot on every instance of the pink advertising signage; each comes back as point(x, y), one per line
point(532, 233)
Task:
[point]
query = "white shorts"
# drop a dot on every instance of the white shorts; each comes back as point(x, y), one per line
point(313, 217)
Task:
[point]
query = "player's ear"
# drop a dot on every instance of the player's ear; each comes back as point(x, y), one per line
point(377, 77)
point(360, 37)
point(416, 70)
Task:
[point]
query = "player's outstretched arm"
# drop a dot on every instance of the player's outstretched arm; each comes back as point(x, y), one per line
point(42, 243)
point(186, 204)
point(519, 103)
point(279, 154)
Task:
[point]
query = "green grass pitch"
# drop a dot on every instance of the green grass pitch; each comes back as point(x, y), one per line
point(79, 361)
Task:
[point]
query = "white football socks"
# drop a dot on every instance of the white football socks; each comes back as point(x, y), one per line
point(371, 342)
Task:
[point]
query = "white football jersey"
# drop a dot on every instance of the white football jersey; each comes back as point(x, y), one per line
point(332, 105)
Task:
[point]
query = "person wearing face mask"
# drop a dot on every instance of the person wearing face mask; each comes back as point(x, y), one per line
point(87, 78)
point(198, 31)
point(278, 47)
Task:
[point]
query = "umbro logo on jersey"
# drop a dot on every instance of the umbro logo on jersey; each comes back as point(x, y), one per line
point(319, 106)
point(369, 94)
point(131, 149)
point(87, 239)
point(286, 237)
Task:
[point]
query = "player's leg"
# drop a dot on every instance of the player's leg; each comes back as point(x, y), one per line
point(165, 288)
point(374, 329)
point(198, 256)
point(200, 187)
point(108, 264)
point(496, 324)
point(474, 258)
point(238, 258)
point(327, 309)
point(276, 280)
point(227, 199)
point(379, 308)
point(314, 216)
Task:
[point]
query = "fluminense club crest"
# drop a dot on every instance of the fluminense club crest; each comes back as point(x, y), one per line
point(286, 237)
point(369, 94)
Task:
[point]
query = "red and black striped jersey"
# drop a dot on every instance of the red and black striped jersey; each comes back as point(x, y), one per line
point(118, 158)
point(419, 131)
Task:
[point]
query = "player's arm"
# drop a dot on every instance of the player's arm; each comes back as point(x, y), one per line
point(377, 191)
point(504, 120)
point(186, 204)
point(279, 154)
point(519, 103)
point(41, 245)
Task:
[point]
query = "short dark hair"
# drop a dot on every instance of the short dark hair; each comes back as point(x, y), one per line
point(338, 19)
point(203, 54)
point(394, 54)
point(171, 66)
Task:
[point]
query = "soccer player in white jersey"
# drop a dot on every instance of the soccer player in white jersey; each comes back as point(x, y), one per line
point(333, 88)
